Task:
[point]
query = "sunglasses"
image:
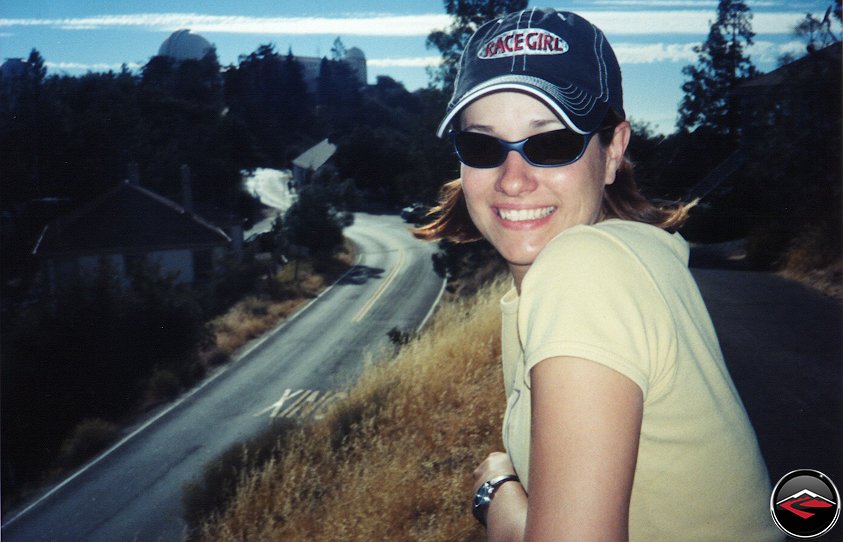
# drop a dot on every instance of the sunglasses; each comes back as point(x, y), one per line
point(548, 149)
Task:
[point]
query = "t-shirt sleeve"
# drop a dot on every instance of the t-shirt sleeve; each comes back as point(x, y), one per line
point(588, 295)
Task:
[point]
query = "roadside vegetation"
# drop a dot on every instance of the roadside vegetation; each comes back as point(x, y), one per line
point(391, 462)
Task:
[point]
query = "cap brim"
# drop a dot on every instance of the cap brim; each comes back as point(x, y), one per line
point(483, 90)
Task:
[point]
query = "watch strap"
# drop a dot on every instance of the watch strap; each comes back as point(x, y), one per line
point(483, 497)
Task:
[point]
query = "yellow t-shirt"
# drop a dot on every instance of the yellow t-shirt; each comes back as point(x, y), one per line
point(619, 293)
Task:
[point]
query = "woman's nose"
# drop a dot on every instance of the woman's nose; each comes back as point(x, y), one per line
point(515, 175)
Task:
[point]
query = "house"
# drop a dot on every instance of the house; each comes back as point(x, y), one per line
point(130, 226)
point(309, 162)
point(761, 97)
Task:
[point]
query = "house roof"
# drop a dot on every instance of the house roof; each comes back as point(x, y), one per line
point(799, 68)
point(316, 156)
point(128, 218)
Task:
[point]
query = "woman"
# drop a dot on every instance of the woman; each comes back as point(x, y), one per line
point(622, 421)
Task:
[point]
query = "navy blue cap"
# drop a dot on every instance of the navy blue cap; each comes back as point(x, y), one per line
point(556, 56)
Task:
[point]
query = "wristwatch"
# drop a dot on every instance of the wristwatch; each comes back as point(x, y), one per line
point(483, 497)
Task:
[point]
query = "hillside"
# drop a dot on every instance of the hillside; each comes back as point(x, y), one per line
point(394, 461)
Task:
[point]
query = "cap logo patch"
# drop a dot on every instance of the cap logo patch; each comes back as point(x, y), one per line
point(527, 41)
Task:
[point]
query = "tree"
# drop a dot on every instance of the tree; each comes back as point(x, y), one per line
point(338, 50)
point(338, 96)
point(467, 15)
point(722, 63)
point(817, 33)
point(316, 219)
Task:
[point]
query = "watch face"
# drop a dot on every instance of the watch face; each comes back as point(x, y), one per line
point(481, 498)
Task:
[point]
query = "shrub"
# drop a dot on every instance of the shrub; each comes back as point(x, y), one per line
point(163, 386)
point(87, 438)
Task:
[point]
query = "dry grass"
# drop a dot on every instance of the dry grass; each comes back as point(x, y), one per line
point(291, 287)
point(828, 280)
point(394, 460)
point(813, 258)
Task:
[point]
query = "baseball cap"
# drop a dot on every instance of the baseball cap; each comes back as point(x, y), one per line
point(556, 56)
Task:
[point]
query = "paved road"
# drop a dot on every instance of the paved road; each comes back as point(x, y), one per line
point(134, 493)
point(783, 343)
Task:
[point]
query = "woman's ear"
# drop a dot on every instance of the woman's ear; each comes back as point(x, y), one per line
point(616, 150)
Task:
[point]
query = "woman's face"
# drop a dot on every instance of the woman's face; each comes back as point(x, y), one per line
point(519, 207)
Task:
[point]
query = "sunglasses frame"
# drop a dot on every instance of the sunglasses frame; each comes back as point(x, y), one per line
point(518, 146)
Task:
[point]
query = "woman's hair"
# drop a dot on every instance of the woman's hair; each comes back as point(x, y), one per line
point(621, 199)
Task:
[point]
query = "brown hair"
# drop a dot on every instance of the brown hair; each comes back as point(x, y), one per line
point(621, 199)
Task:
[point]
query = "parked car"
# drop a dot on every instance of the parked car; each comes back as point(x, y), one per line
point(414, 213)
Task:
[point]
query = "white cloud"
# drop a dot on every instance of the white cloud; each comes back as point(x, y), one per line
point(83, 67)
point(674, 3)
point(767, 52)
point(408, 62)
point(613, 22)
point(649, 53)
point(376, 25)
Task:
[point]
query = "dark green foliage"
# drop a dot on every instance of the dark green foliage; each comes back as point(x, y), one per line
point(722, 63)
point(268, 94)
point(338, 96)
point(316, 219)
point(793, 178)
point(85, 355)
point(467, 16)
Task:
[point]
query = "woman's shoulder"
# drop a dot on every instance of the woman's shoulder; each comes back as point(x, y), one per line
point(612, 251)
point(616, 239)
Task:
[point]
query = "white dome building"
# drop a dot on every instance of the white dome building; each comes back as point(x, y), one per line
point(182, 45)
point(13, 68)
point(357, 61)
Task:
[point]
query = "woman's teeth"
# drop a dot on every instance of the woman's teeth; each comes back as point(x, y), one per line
point(518, 215)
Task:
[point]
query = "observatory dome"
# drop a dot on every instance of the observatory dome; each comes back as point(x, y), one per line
point(12, 68)
point(182, 45)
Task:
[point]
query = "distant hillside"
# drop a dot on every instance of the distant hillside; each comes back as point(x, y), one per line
point(394, 461)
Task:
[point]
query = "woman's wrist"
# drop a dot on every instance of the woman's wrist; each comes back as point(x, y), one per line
point(486, 493)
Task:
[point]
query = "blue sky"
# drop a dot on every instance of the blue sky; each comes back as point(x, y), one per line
point(652, 38)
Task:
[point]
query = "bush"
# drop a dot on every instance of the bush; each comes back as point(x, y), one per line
point(87, 438)
point(163, 386)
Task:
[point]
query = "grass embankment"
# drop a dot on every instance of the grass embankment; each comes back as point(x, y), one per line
point(394, 460)
point(284, 293)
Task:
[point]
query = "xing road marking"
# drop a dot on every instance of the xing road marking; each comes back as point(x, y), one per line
point(386, 282)
point(302, 404)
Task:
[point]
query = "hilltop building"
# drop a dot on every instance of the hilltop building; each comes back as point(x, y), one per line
point(184, 45)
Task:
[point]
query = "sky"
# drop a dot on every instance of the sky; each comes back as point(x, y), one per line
point(653, 39)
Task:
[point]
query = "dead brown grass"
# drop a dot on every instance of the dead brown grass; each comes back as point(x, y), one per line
point(394, 460)
point(813, 258)
point(286, 292)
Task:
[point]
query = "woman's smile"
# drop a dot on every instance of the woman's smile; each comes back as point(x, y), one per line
point(524, 215)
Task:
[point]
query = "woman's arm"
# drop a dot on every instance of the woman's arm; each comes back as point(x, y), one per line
point(586, 422)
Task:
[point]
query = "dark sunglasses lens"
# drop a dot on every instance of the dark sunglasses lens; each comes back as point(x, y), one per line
point(478, 150)
point(554, 148)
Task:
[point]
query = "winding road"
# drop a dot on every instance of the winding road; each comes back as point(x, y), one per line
point(133, 491)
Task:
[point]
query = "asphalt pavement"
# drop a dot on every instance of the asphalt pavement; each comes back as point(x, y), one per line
point(783, 343)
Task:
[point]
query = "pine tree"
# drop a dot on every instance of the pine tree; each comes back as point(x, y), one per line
point(722, 62)
point(467, 15)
